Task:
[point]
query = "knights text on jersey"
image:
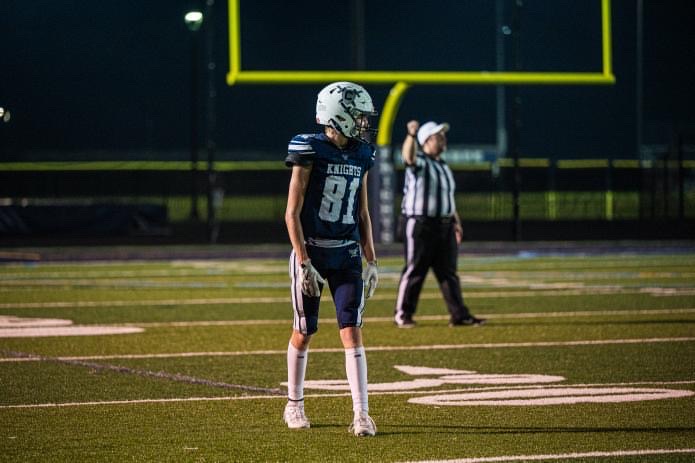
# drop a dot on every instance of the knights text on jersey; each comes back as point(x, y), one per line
point(331, 202)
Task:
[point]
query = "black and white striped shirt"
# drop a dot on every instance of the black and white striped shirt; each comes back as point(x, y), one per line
point(429, 188)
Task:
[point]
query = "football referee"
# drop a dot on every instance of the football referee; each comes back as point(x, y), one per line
point(432, 229)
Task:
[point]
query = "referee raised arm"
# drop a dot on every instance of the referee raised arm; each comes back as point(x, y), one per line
point(432, 226)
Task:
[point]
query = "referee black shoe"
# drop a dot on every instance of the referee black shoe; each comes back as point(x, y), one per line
point(469, 321)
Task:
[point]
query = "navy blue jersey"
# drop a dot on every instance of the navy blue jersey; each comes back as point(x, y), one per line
point(331, 202)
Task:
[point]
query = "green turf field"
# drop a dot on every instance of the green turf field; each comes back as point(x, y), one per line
point(585, 358)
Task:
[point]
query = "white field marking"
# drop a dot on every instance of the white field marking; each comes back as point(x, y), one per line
point(562, 289)
point(17, 327)
point(319, 395)
point(446, 376)
point(662, 292)
point(562, 456)
point(669, 291)
point(585, 313)
point(97, 275)
point(342, 385)
point(590, 313)
point(251, 265)
point(126, 328)
point(212, 323)
point(559, 396)
point(157, 302)
point(508, 387)
point(138, 401)
point(517, 275)
point(588, 290)
point(286, 299)
point(76, 330)
point(130, 283)
point(532, 391)
point(376, 349)
point(484, 278)
point(10, 321)
point(164, 356)
point(177, 377)
point(415, 371)
point(232, 268)
point(176, 268)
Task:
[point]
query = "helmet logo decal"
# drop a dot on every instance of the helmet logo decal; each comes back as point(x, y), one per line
point(349, 95)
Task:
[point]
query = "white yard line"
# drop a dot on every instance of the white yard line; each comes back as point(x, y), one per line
point(63, 331)
point(13, 326)
point(563, 456)
point(146, 373)
point(157, 302)
point(594, 342)
point(591, 313)
point(589, 290)
point(136, 401)
point(334, 394)
point(568, 314)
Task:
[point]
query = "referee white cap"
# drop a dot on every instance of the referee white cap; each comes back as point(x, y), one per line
point(430, 128)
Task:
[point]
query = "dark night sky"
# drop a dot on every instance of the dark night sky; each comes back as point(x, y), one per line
point(114, 76)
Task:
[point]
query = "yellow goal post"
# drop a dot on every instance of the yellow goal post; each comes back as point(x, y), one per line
point(404, 79)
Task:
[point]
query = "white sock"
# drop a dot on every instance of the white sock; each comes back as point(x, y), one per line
point(356, 368)
point(296, 370)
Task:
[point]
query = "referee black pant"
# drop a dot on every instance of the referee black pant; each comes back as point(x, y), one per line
point(430, 243)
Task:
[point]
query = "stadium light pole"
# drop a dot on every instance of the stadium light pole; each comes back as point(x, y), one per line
point(194, 20)
point(639, 78)
point(502, 31)
point(515, 123)
point(215, 193)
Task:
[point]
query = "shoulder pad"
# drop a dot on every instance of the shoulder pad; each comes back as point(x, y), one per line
point(301, 150)
point(301, 144)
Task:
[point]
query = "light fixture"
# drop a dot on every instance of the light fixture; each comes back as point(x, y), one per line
point(193, 20)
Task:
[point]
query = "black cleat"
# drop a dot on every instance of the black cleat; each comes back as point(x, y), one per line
point(470, 321)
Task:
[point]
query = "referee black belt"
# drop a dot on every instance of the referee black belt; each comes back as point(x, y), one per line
point(424, 218)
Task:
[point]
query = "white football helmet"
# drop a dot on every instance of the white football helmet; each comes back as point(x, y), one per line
point(347, 107)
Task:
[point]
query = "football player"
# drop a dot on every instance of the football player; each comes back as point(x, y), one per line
point(330, 229)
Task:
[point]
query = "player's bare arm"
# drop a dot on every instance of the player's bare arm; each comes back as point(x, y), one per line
point(295, 201)
point(366, 238)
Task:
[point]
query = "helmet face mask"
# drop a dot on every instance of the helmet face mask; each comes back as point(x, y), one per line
point(346, 107)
